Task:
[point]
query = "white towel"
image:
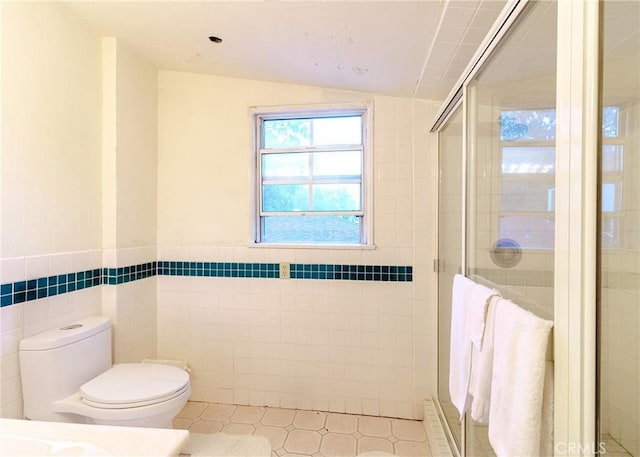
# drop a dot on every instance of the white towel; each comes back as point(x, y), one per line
point(460, 347)
point(476, 309)
point(482, 368)
point(546, 434)
point(517, 384)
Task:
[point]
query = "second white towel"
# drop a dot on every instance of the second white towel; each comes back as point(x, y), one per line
point(482, 368)
point(517, 385)
point(468, 317)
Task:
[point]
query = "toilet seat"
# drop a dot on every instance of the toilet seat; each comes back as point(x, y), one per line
point(131, 385)
point(95, 404)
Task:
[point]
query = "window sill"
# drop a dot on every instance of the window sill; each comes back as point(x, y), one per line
point(361, 247)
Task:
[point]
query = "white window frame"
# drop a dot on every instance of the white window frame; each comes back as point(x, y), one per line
point(365, 110)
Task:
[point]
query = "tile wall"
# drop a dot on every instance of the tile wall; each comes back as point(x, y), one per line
point(73, 291)
point(321, 344)
point(348, 348)
point(26, 318)
point(359, 341)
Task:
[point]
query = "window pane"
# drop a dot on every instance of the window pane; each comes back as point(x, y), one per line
point(612, 157)
point(285, 197)
point(285, 165)
point(337, 130)
point(336, 197)
point(611, 197)
point(338, 163)
point(311, 167)
point(611, 121)
point(527, 195)
point(529, 231)
point(528, 160)
point(311, 229)
point(528, 125)
point(287, 133)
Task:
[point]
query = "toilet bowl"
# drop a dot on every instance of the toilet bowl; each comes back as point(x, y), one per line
point(82, 386)
point(139, 394)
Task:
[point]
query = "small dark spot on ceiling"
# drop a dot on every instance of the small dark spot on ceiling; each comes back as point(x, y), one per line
point(215, 39)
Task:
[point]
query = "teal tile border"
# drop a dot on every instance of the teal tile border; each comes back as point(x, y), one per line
point(48, 286)
point(219, 269)
point(393, 273)
point(115, 276)
point(34, 289)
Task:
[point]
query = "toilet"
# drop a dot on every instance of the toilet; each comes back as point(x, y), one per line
point(67, 376)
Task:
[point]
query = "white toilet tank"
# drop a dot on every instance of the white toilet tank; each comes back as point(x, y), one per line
point(54, 364)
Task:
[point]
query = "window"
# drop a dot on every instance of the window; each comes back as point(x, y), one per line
point(612, 177)
point(527, 139)
point(311, 177)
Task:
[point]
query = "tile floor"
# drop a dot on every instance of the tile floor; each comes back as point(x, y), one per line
point(613, 448)
point(308, 433)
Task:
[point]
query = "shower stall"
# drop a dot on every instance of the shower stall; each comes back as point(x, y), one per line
point(539, 165)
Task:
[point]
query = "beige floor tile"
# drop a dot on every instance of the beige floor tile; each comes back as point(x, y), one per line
point(192, 410)
point(309, 420)
point(247, 414)
point(341, 423)
point(374, 426)
point(182, 424)
point(338, 445)
point(239, 429)
point(276, 435)
point(411, 449)
point(218, 412)
point(303, 442)
point(296, 433)
point(206, 427)
point(277, 417)
point(408, 430)
point(369, 444)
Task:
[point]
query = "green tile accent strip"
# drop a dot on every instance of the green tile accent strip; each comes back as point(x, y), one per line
point(115, 276)
point(219, 269)
point(48, 286)
point(395, 273)
point(34, 289)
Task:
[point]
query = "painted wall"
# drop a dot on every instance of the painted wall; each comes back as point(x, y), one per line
point(55, 116)
point(51, 132)
point(50, 183)
point(129, 171)
point(354, 346)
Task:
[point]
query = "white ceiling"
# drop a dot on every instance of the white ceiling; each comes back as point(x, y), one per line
point(403, 48)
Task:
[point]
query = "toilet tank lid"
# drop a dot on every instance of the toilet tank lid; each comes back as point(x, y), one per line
point(66, 334)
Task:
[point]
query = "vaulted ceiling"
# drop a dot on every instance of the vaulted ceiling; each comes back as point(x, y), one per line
point(403, 48)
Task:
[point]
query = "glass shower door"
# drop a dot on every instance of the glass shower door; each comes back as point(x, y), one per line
point(511, 176)
point(619, 367)
point(450, 243)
